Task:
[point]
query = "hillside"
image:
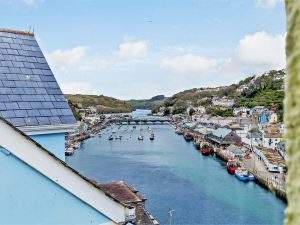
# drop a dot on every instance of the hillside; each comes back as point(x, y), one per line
point(147, 103)
point(104, 104)
point(265, 90)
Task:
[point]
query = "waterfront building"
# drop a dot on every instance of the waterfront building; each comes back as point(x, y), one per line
point(224, 136)
point(30, 98)
point(271, 158)
point(234, 151)
point(271, 139)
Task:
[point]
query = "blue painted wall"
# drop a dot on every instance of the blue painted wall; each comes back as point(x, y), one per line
point(263, 119)
point(28, 197)
point(54, 143)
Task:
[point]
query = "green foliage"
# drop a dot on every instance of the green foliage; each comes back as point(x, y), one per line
point(219, 112)
point(152, 103)
point(103, 104)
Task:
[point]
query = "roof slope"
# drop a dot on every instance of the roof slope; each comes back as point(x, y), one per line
point(33, 154)
point(29, 93)
point(221, 132)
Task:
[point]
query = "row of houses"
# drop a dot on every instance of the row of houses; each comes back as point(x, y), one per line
point(242, 131)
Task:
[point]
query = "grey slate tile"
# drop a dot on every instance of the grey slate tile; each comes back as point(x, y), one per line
point(29, 93)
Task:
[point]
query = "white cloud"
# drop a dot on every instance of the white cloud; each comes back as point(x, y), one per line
point(254, 53)
point(191, 64)
point(267, 3)
point(75, 60)
point(260, 51)
point(131, 50)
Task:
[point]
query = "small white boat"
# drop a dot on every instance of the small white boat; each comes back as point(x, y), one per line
point(92, 135)
point(140, 137)
point(69, 151)
point(76, 145)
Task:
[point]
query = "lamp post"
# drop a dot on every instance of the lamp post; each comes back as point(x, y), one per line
point(170, 215)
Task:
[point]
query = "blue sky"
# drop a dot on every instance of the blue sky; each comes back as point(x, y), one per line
point(141, 48)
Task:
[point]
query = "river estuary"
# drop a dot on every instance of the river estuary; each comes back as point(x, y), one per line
point(173, 174)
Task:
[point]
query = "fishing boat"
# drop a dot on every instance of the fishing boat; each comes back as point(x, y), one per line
point(76, 145)
point(231, 166)
point(205, 148)
point(140, 137)
point(188, 137)
point(151, 136)
point(178, 131)
point(118, 137)
point(243, 174)
point(196, 144)
point(99, 135)
point(69, 151)
point(111, 138)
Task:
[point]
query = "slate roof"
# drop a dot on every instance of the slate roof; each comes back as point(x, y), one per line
point(29, 93)
point(221, 132)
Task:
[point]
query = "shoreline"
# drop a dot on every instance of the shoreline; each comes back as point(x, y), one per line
point(263, 181)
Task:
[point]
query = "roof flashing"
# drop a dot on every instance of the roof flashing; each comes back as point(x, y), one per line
point(12, 31)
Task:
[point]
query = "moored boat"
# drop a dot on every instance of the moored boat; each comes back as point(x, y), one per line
point(140, 137)
point(205, 148)
point(188, 137)
point(178, 131)
point(111, 138)
point(69, 151)
point(196, 144)
point(151, 136)
point(243, 174)
point(231, 166)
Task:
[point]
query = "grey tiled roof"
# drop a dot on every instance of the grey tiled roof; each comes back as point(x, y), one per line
point(29, 93)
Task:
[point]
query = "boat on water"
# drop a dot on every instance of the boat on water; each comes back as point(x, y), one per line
point(188, 137)
point(151, 136)
point(118, 137)
point(196, 144)
point(243, 174)
point(111, 138)
point(231, 166)
point(140, 137)
point(178, 131)
point(134, 127)
point(76, 145)
point(205, 148)
point(69, 151)
point(92, 135)
point(99, 135)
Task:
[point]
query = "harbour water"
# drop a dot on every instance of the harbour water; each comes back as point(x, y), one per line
point(173, 174)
